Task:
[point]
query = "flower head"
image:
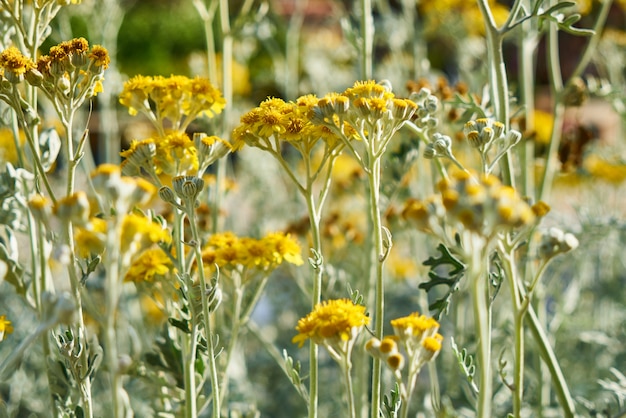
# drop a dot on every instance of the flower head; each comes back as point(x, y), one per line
point(332, 321)
point(150, 264)
point(177, 98)
point(15, 64)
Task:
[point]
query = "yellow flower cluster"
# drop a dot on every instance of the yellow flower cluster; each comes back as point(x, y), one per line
point(5, 327)
point(442, 13)
point(15, 64)
point(173, 154)
point(8, 152)
point(365, 106)
point(138, 232)
point(332, 322)
point(150, 264)
point(226, 250)
point(416, 334)
point(483, 206)
point(177, 98)
point(602, 169)
point(71, 69)
point(277, 120)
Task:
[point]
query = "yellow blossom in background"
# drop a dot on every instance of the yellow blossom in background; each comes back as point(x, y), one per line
point(171, 155)
point(440, 13)
point(139, 232)
point(150, 264)
point(401, 266)
point(5, 327)
point(177, 98)
point(90, 238)
point(602, 169)
point(544, 122)
point(334, 320)
point(346, 170)
point(226, 250)
point(8, 153)
point(153, 308)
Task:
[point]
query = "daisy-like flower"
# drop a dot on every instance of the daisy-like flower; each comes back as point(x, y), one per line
point(334, 324)
point(15, 64)
point(90, 238)
point(228, 251)
point(176, 98)
point(150, 264)
point(139, 232)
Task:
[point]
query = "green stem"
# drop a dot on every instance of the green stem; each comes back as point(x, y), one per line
point(206, 314)
point(189, 341)
point(519, 311)
point(482, 326)
point(346, 367)
point(112, 298)
point(549, 358)
point(377, 261)
point(526, 53)
point(556, 87)
point(497, 80)
point(85, 383)
point(367, 38)
point(318, 271)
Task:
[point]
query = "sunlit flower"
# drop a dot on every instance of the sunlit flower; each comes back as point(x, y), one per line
point(139, 232)
point(482, 205)
point(73, 208)
point(15, 64)
point(226, 250)
point(173, 155)
point(414, 327)
point(332, 321)
point(90, 239)
point(177, 98)
point(613, 172)
point(544, 122)
point(149, 265)
point(8, 152)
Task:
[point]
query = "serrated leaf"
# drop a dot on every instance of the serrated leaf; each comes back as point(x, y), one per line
point(455, 272)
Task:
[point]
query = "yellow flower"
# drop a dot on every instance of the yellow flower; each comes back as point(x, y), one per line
point(100, 56)
point(15, 63)
point(149, 264)
point(483, 205)
point(401, 266)
point(8, 152)
point(544, 122)
point(177, 98)
point(5, 327)
point(139, 232)
point(176, 155)
point(414, 326)
point(90, 238)
point(331, 321)
point(283, 248)
point(611, 172)
point(227, 250)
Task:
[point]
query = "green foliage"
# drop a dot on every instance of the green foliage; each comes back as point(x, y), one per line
point(466, 364)
point(392, 403)
point(450, 278)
